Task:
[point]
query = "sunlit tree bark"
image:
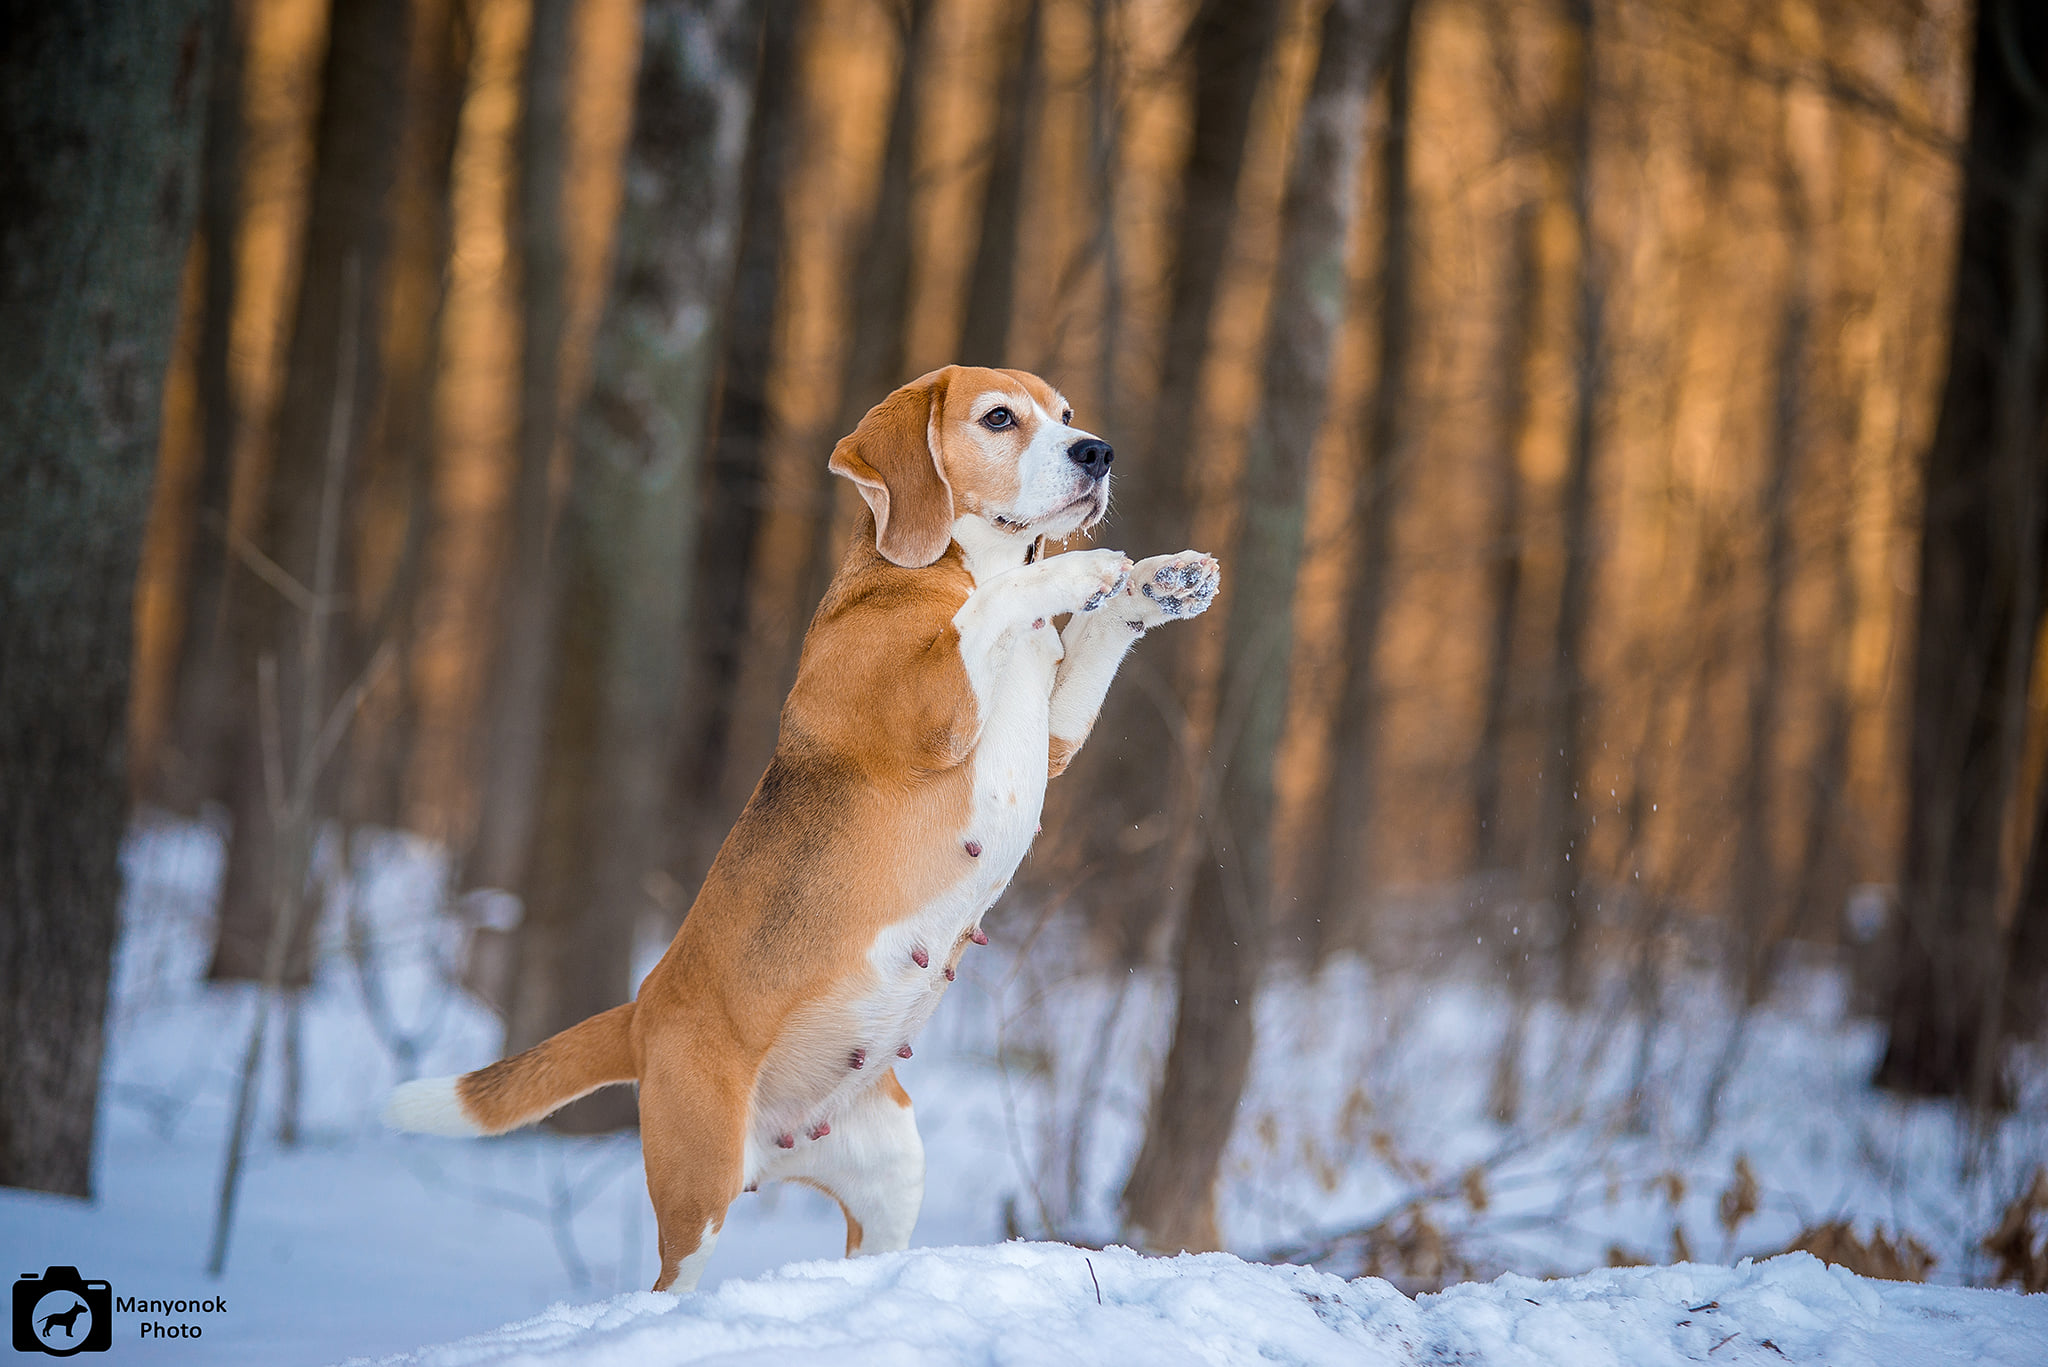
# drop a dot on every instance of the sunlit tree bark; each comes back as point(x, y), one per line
point(1560, 847)
point(520, 677)
point(1340, 871)
point(330, 400)
point(985, 333)
point(1756, 884)
point(1491, 847)
point(398, 474)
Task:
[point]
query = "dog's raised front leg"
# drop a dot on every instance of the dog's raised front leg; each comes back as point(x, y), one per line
point(1024, 600)
point(1164, 588)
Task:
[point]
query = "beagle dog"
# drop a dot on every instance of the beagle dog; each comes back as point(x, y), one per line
point(933, 700)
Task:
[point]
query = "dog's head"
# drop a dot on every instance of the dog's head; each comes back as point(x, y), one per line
point(968, 441)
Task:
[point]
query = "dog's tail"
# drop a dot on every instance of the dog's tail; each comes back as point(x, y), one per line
point(520, 1090)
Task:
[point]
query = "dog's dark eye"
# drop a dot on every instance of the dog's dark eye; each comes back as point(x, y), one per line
point(996, 419)
point(1067, 418)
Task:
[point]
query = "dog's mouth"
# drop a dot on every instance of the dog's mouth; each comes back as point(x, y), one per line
point(1093, 501)
point(1091, 504)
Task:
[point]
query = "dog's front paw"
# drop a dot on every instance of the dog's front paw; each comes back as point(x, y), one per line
point(1168, 587)
point(1085, 580)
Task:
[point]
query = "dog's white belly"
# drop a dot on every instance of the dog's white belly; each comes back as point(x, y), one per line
point(833, 1050)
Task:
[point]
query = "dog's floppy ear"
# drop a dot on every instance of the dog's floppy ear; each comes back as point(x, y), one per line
point(893, 459)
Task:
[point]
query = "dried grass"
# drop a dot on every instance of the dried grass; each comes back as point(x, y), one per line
point(2019, 1244)
point(1880, 1256)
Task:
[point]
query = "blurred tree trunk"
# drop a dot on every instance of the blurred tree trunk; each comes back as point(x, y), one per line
point(398, 476)
point(630, 530)
point(880, 296)
point(525, 644)
point(330, 399)
point(1105, 144)
point(1825, 863)
point(1756, 882)
point(101, 109)
point(1494, 853)
point(880, 304)
point(1560, 845)
point(985, 333)
point(1497, 857)
point(783, 594)
point(1231, 44)
point(2026, 994)
point(1523, 289)
point(1981, 570)
point(1825, 868)
point(188, 771)
point(733, 484)
point(1339, 872)
point(1171, 1196)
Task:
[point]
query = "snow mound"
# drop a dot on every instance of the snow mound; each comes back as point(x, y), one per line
point(1029, 1303)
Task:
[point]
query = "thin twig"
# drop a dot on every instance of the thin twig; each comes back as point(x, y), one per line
point(291, 813)
point(259, 564)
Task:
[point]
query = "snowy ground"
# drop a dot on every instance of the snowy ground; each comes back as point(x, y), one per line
point(1366, 1114)
point(1042, 1303)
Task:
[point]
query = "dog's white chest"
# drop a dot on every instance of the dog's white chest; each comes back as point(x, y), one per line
point(1010, 760)
point(834, 1053)
point(1009, 774)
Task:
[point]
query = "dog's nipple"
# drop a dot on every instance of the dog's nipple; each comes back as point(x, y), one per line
point(949, 973)
point(920, 958)
point(978, 935)
point(785, 1141)
point(820, 1130)
point(904, 1052)
point(974, 849)
point(858, 1058)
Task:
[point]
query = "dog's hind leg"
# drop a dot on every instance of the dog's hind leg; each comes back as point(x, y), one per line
point(872, 1163)
point(692, 1138)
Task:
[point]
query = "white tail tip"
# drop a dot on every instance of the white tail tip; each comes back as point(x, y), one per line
point(430, 1106)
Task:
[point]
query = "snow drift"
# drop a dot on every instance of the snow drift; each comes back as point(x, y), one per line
point(1051, 1303)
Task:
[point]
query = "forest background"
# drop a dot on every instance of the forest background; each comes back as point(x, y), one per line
point(1624, 425)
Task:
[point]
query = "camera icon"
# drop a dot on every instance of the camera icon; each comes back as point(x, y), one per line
point(61, 1313)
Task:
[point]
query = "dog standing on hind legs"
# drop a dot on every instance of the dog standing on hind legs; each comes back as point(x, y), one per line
point(933, 701)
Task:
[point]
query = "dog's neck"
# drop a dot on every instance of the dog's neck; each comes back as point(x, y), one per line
point(990, 550)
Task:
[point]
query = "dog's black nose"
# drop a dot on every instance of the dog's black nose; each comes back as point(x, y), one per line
point(1093, 455)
